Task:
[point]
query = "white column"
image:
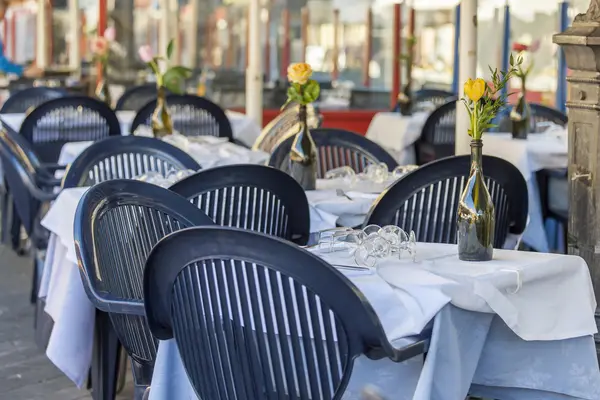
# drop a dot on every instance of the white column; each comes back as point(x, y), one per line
point(192, 35)
point(41, 41)
point(254, 73)
point(74, 36)
point(467, 69)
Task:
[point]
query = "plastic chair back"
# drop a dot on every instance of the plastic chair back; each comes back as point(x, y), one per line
point(425, 200)
point(284, 125)
point(369, 99)
point(336, 148)
point(134, 98)
point(438, 135)
point(69, 119)
point(191, 116)
point(192, 275)
point(116, 225)
point(435, 96)
point(254, 197)
point(125, 157)
point(539, 114)
point(27, 99)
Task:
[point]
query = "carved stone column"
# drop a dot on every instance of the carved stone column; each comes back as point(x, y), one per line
point(581, 45)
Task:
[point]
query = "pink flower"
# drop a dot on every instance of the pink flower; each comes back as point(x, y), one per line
point(99, 46)
point(535, 46)
point(146, 53)
point(110, 34)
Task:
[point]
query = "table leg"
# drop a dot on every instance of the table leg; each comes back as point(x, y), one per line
point(105, 358)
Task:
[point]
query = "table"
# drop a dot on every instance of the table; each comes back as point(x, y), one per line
point(208, 151)
point(540, 348)
point(548, 150)
point(397, 133)
point(244, 128)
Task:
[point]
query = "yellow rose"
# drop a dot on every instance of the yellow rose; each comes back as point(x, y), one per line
point(475, 89)
point(299, 73)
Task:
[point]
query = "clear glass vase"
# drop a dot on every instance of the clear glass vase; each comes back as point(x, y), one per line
point(162, 125)
point(475, 215)
point(303, 155)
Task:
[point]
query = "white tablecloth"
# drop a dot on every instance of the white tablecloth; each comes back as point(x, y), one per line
point(207, 151)
point(547, 150)
point(397, 133)
point(244, 128)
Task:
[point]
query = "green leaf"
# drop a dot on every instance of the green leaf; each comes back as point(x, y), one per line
point(311, 91)
point(293, 95)
point(170, 49)
point(173, 80)
point(183, 72)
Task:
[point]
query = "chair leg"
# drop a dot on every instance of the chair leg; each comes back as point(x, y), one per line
point(15, 231)
point(122, 372)
point(105, 358)
point(5, 198)
point(142, 376)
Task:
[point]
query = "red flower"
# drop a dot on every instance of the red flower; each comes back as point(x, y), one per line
point(520, 47)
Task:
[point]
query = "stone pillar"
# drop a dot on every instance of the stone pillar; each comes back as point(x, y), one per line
point(581, 46)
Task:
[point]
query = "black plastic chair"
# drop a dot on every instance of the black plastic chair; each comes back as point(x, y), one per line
point(425, 200)
point(438, 135)
point(125, 157)
point(116, 225)
point(134, 98)
point(539, 114)
point(254, 197)
point(191, 115)
point(27, 99)
point(69, 119)
point(336, 148)
point(435, 96)
point(31, 185)
point(192, 274)
point(283, 126)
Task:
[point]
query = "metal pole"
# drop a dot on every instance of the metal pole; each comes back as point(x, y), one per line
point(285, 52)
point(335, 53)
point(101, 28)
point(192, 39)
point(467, 69)
point(561, 84)
point(163, 27)
point(396, 52)
point(506, 43)
point(305, 20)
point(41, 41)
point(368, 48)
point(74, 35)
point(456, 49)
point(254, 73)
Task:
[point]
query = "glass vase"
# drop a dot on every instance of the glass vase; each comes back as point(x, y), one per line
point(405, 103)
point(162, 125)
point(520, 116)
point(303, 155)
point(102, 91)
point(475, 215)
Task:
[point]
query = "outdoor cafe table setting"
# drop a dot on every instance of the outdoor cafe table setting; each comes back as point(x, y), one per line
point(517, 327)
point(245, 129)
point(513, 327)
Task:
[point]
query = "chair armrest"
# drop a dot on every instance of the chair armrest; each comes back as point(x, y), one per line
point(51, 167)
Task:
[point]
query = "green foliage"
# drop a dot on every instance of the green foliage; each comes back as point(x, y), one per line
point(170, 49)
point(173, 78)
point(303, 94)
point(483, 111)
